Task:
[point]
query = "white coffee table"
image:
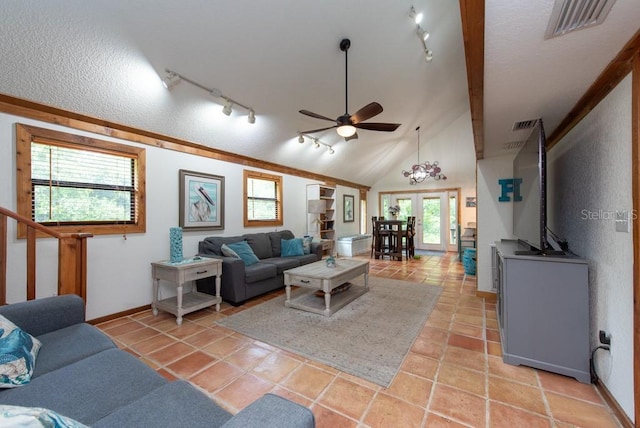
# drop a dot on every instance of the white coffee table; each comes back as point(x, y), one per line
point(317, 276)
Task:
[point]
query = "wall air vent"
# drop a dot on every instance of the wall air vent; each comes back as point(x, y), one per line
point(524, 124)
point(512, 145)
point(571, 15)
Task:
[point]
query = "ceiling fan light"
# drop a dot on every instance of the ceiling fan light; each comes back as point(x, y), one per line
point(346, 130)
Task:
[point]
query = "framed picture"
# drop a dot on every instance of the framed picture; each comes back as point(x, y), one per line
point(471, 201)
point(201, 200)
point(347, 205)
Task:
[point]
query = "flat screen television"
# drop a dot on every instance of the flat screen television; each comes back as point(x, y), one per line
point(530, 203)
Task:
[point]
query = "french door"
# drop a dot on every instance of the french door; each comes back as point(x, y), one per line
point(436, 218)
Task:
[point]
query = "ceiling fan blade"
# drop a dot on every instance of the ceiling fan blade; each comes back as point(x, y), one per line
point(366, 112)
point(353, 137)
point(318, 130)
point(372, 126)
point(316, 115)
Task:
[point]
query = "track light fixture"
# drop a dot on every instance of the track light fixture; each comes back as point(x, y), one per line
point(228, 108)
point(316, 142)
point(172, 78)
point(421, 33)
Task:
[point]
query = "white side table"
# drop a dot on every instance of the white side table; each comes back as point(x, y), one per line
point(179, 273)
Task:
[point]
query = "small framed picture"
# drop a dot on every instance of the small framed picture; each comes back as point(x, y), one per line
point(348, 201)
point(471, 201)
point(201, 200)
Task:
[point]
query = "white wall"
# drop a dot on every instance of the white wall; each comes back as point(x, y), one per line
point(495, 220)
point(459, 139)
point(589, 181)
point(119, 272)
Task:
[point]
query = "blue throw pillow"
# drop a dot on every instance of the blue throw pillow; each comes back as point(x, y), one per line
point(18, 352)
point(291, 247)
point(306, 244)
point(244, 251)
point(35, 417)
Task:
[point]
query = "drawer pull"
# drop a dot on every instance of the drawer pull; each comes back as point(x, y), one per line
point(305, 281)
point(201, 272)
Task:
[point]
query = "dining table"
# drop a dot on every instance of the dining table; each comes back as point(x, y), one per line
point(387, 236)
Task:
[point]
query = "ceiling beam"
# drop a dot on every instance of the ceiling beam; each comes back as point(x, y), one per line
point(472, 15)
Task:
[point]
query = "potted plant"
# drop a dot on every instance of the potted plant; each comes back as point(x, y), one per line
point(394, 210)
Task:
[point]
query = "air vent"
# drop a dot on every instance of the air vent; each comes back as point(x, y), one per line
point(571, 15)
point(512, 145)
point(524, 124)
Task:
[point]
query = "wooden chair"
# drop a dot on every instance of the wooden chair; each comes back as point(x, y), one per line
point(374, 234)
point(408, 243)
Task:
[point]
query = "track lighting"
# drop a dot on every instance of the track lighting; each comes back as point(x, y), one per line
point(316, 142)
point(227, 109)
point(421, 33)
point(172, 78)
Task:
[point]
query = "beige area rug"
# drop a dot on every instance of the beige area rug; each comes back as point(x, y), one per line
point(368, 338)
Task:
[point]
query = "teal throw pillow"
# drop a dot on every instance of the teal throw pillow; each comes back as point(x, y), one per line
point(18, 352)
point(226, 251)
point(244, 251)
point(306, 244)
point(291, 247)
point(34, 417)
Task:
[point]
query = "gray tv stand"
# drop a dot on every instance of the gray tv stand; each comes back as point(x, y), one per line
point(543, 310)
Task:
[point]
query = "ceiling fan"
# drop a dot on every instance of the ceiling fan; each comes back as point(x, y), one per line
point(348, 124)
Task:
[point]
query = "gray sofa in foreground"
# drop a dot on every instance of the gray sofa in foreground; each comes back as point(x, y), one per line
point(80, 373)
point(239, 282)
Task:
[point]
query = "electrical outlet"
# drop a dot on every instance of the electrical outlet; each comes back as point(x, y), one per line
point(605, 339)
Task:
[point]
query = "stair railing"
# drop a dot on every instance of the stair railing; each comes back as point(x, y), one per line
point(72, 257)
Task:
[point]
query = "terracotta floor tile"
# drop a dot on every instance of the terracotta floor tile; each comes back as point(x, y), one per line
point(420, 365)
point(226, 346)
point(185, 367)
point(414, 389)
point(437, 421)
point(469, 380)
point(516, 394)
point(468, 319)
point(308, 381)
point(244, 391)
point(520, 374)
point(216, 376)
point(579, 412)
point(138, 335)
point(387, 411)
point(118, 329)
point(204, 338)
point(154, 343)
point(568, 386)
point(503, 416)
point(276, 367)
point(326, 418)
point(248, 357)
point(427, 348)
point(466, 342)
point(434, 334)
point(465, 358)
point(467, 330)
point(459, 405)
point(171, 353)
point(347, 397)
point(186, 329)
point(493, 335)
point(494, 348)
point(476, 312)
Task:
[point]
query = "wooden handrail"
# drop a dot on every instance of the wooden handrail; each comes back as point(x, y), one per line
point(72, 257)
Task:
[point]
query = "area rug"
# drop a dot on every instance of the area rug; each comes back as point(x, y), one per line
point(368, 338)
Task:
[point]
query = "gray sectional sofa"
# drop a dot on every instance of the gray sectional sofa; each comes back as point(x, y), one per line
point(240, 282)
point(80, 373)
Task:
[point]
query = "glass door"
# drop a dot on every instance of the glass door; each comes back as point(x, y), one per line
point(437, 222)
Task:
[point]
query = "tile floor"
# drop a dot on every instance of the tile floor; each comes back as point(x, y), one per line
point(453, 375)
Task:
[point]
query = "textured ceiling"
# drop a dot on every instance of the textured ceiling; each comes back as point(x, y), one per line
point(103, 58)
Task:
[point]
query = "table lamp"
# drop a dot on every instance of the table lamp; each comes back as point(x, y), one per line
point(317, 207)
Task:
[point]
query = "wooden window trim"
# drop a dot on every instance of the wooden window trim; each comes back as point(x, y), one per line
point(262, 223)
point(25, 134)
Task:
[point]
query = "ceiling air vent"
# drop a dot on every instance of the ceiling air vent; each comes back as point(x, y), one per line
point(524, 124)
point(512, 145)
point(571, 15)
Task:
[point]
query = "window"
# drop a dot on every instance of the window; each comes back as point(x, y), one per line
point(262, 199)
point(79, 184)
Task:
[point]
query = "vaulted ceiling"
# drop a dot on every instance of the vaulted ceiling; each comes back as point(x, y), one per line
point(104, 58)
